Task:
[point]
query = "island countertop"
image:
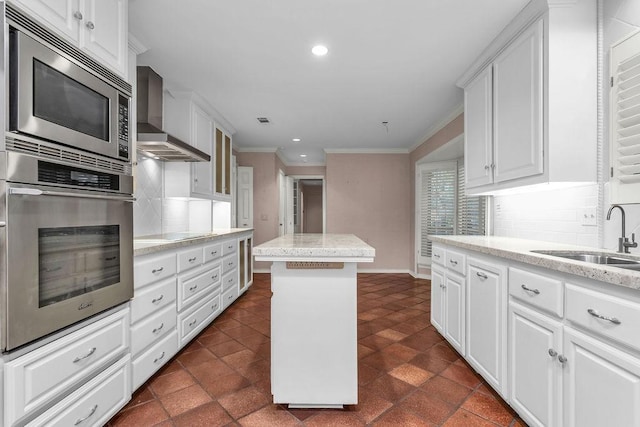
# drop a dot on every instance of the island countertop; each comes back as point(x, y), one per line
point(315, 247)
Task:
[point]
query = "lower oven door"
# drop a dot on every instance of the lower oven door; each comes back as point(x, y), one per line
point(69, 256)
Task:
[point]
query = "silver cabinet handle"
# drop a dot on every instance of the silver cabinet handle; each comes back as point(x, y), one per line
point(81, 420)
point(157, 359)
point(215, 306)
point(159, 328)
point(157, 270)
point(486, 167)
point(3, 224)
point(111, 258)
point(214, 277)
point(562, 359)
point(193, 288)
point(594, 313)
point(230, 263)
point(552, 352)
point(436, 256)
point(78, 15)
point(90, 25)
point(214, 253)
point(193, 322)
point(230, 296)
point(155, 300)
point(482, 275)
point(453, 262)
point(193, 259)
point(36, 192)
point(77, 359)
point(535, 291)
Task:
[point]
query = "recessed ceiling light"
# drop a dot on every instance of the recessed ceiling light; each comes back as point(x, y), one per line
point(296, 139)
point(303, 155)
point(319, 50)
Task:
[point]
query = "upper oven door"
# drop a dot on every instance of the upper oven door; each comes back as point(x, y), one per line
point(55, 99)
point(69, 256)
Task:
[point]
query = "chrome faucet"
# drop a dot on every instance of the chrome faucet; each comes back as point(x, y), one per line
point(623, 242)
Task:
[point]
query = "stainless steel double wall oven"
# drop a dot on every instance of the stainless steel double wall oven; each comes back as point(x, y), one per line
point(65, 186)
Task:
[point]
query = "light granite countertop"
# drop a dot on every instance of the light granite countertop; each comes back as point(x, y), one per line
point(520, 250)
point(143, 245)
point(311, 247)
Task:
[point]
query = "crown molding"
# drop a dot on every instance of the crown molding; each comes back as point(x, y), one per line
point(136, 45)
point(437, 127)
point(256, 149)
point(366, 150)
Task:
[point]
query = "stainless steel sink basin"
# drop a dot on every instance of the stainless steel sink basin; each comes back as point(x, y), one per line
point(620, 261)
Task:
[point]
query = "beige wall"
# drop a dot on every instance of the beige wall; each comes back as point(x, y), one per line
point(312, 204)
point(306, 170)
point(453, 129)
point(368, 195)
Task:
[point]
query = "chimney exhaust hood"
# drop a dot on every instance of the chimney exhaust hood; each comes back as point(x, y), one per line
point(151, 138)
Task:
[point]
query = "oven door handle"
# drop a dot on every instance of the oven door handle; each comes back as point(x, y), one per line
point(36, 192)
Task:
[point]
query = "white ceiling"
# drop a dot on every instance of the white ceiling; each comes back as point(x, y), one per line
point(394, 61)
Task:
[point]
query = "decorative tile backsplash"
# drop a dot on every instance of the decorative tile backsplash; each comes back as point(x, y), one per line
point(147, 209)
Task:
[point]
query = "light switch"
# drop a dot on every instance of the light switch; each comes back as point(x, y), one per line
point(587, 216)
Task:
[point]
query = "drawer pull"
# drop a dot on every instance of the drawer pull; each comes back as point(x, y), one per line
point(157, 359)
point(482, 275)
point(81, 420)
point(535, 291)
point(159, 328)
point(230, 280)
point(214, 253)
point(155, 300)
point(594, 313)
point(193, 288)
point(111, 258)
point(193, 322)
point(214, 277)
point(230, 264)
point(436, 256)
point(230, 296)
point(157, 270)
point(562, 359)
point(453, 262)
point(77, 359)
point(214, 306)
point(552, 352)
point(193, 259)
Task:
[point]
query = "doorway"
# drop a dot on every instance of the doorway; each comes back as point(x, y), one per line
point(302, 204)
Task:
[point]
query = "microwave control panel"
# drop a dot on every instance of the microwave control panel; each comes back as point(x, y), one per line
point(123, 127)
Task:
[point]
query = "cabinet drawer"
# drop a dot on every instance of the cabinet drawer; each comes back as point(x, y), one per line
point(229, 281)
point(437, 255)
point(229, 263)
point(40, 376)
point(197, 318)
point(94, 403)
point(153, 298)
point(540, 291)
point(144, 333)
point(455, 261)
point(229, 246)
point(189, 259)
point(212, 252)
point(151, 268)
point(154, 358)
point(191, 287)
point(229, 297)
point(606, 315)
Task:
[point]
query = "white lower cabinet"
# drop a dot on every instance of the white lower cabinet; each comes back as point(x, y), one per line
point(147, 363)
point(486, 321)
point(94, 403)
point(535, 386)
point(437, 297)
point(194, 319)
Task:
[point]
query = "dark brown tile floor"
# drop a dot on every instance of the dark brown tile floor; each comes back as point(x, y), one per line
point(408, 375)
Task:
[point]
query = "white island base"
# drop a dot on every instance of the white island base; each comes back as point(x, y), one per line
point(314, 347)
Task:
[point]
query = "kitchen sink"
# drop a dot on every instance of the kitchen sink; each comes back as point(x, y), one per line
point(620, 261)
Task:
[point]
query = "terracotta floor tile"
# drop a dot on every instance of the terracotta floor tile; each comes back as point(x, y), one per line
point(334, 418)
point(375, 342)
point(226, 348)
point(462, 375)
point(428, 407)
point(410, 374)
point(489, 408)
point(210, 370)
point(398, 417)
point(169, 383)
point(256, 371)
point(383, 362)
point(142, 395)
point(429, 363)
point(227, 324)
point(172, 366)
point(192, 346)
point(270, 415)
point(303, 413)
point(389, 388)
point(222, 386)
point(366, 374)
point(214, 338)
point(400, 351)
point(446, 389)
point(244, 401)
point(463, 418)
point(392, 334)
point(241, 358)
point(208, 415)
point(370, 406)
point(195, 357)
point(364, 351)
point(184, 400)
point(443, 351)
point(147, 414)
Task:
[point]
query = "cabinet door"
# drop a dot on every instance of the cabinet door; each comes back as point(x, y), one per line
point(219, 163)
point(602, 384)
point(437, 298)
point(535, 376)
point(245, 196)
point(486, 321)
point(202, 139)
point(227, 165)
point(62, 16)
point(517, 89)
point(104, 32)
point(454, 311)
point(478, 131)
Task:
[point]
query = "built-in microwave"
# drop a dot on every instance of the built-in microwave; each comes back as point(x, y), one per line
point(51, 97)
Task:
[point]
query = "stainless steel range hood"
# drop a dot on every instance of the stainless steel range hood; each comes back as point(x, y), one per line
point(151, 138)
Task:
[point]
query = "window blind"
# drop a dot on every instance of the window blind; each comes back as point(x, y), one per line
point(472, 210)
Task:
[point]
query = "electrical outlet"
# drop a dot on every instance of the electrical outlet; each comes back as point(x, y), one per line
point(587, 216)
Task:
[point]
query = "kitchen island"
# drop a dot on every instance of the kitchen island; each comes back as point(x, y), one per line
point(314, 350)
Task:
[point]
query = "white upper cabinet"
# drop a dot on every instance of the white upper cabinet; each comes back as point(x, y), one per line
point(97, 26)
point(530, 100)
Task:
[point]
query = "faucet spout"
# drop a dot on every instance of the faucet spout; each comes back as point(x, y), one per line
point(623, 220)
